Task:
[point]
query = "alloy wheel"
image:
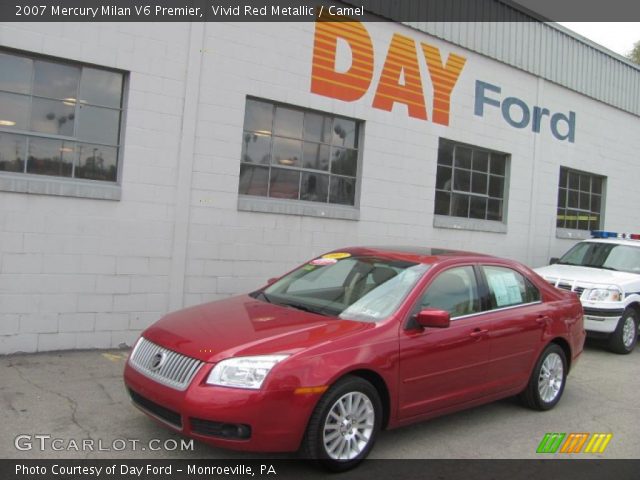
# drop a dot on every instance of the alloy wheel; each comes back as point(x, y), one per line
point(348, 426)
point(551, 377)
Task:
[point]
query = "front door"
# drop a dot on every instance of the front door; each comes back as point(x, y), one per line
point(443, 367)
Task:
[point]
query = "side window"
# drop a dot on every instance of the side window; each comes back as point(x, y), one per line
point(455, 291)
point(508, 287)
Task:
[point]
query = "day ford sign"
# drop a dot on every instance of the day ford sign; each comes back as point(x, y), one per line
point(518, 114)
point(400, 80)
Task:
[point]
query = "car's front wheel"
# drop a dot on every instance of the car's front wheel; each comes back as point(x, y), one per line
point(547, 380)
point(623, 340)
point(344, 424)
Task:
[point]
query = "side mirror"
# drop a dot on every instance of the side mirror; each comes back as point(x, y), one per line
point(553, 260)
point(433, 318)
point(272, 280)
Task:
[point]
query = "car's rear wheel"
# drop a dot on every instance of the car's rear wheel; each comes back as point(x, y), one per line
point(344, 424)
point(547, 380)
point(623, 340)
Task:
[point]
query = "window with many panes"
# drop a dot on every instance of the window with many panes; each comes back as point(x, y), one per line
point(579, 200)
point(470, 182)
point(298, 154)
point(59, 118)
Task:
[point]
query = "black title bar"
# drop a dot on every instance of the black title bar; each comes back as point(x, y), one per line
point(278, 469)
point(309, 10)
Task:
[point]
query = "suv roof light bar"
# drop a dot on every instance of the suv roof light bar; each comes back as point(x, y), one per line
point(605, 234)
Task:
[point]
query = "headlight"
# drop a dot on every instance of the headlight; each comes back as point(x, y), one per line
point(243, 372)
point(604, 295)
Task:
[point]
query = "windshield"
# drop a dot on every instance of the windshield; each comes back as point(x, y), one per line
point(610, 256)
point(364, 288)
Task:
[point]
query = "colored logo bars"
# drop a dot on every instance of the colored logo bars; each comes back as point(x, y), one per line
point(574, 443)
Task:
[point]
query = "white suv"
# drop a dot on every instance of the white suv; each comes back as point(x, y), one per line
point(605, 273)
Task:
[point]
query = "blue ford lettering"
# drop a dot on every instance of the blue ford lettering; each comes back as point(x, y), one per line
point(517, 113)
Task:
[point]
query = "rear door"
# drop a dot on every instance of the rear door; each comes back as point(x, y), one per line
point(518, 319)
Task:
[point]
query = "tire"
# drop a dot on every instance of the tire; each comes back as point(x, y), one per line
point(331, 439)
point(623, 340)
point(547, 380)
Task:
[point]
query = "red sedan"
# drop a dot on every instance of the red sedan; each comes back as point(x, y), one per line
point(353, 342)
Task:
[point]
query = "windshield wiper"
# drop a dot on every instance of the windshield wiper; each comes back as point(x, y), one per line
point(304, 308)
point(588, 265)
point(600, 266)
point(263, 295)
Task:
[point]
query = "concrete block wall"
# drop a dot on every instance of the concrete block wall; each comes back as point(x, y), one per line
point(84, 273)
point(81, 273)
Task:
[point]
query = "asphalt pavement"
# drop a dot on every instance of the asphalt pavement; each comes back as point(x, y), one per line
point(73, 405)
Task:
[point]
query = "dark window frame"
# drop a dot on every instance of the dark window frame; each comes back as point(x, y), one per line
point(470, 182)
point(571, 189)
point(72, 167)
point(333, 178)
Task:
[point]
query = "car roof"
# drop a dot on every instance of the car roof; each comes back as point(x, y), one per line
point(416, 254)
point(615, 241)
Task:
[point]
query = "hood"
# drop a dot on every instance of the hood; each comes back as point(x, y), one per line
point(241, 326)
point(587, 276)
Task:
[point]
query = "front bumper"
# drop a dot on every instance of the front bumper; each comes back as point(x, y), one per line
point(265, 421)
point(601, 320)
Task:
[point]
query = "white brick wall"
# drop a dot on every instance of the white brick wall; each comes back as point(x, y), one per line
point(81, 273)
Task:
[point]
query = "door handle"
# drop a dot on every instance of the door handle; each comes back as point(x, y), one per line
point(478, 333)
point(543, 320)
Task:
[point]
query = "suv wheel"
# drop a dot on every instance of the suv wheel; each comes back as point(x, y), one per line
point(623, 340)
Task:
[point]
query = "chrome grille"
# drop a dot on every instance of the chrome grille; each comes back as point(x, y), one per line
point(568, 286)
point(565, 286)
point(176, 371)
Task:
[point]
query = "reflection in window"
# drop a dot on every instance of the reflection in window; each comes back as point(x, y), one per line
point(12, 152)
point(345, 133)
point(315, 156)
point(344, 161)
point(288, 122)
point(317, 127)
point(258, 117)
point(579, 200)
point(253, 180)
point(470, 182)
point(314, 187)
point(14, 111)
point(53, 116)
point(284, 183)
point(100, 87)
point(286, 152)
point(50, 157)
point(342, 190)
point(96, 162)
point(65, 118)
point(308, 155)
point(100, 125)
point(15, 73)
point(256, 148)
point(55, 80)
